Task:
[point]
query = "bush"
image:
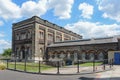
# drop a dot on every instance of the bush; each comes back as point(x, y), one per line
point(2, 66)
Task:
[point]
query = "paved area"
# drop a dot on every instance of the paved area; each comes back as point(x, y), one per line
point(72, 69)
point(109, 75)
point(14, 75)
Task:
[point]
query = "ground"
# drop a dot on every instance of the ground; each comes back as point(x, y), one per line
point(14, 75)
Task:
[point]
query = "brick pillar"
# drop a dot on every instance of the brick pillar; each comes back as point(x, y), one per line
point(62, 36)
point(54, 35)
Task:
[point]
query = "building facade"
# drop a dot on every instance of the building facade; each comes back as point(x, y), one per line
point(84, 49)
point(31, 37)
point(38, 39)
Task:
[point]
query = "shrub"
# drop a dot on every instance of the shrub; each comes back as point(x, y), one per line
point(2, 66)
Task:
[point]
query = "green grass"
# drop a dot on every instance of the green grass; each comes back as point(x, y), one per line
point(91, 64)
point(34, 67)
point(30, 67)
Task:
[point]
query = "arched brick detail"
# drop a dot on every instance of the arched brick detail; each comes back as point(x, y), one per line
point(100, 50)
point(84, 51)
point(69, 52)
point(91, 51)
point(75, 51)
point(55, 52)
point(62, 52)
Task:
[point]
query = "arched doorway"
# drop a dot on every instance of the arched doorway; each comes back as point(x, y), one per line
point(23, 54)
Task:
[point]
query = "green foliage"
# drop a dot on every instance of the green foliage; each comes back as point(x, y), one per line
point(7, 52)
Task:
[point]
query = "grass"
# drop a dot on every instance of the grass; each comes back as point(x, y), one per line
point(2, 66)
point(30, 67)
point(91, 64)
point(34, 67)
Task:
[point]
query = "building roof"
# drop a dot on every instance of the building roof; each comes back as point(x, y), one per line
point(86, 41)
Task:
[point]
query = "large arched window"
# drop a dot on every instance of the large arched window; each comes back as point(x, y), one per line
point(80, 56)
point(17, 36)
point(96, 56)
point(101, 56)
point(87, 56)
point(53, 56)
point(41, 52)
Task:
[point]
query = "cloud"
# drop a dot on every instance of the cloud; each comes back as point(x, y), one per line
point(90, 29)
point(110, 9)
point(4, 45)
point(62, 8)
point(31, 8)
point(2, 34)
point(9, 10)
point(1, 23)
point(87, 10)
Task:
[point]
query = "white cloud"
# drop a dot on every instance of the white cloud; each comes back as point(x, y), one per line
point(62, 8)
point(87, 10)
point(2, 34)
point(9, 10)
point(89, 29)
point(110, 9)
point(31, 8)
point(4, 45)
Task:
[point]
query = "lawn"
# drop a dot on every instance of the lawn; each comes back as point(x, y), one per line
point(34, 67)
point(91, 64)
point(30, 67)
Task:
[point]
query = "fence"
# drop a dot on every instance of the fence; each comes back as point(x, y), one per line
point(59, 67)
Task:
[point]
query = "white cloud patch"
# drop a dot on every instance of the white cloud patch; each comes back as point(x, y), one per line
point(1, 23)
point(2, 34)
point(9, 10)
point(87, 10)
point(110, 9)
point(62, 8)
point(89, 29)
point(31, 8)
point(4, 45)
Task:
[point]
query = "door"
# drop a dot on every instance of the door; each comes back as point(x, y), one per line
point(117, 58)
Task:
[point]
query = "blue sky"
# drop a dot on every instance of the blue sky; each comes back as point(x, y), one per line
point(90, 18)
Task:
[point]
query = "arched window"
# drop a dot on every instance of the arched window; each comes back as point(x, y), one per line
point(53, 56)
point(41, 52)
point(41, 35)
point(17, 36)
point(58, 55)
point(72, 56)
point(87, 56)
point(79, 56)
point(101, 56)
point(29, 35)
point(96, 56)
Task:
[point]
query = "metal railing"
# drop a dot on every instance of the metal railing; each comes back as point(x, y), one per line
point(59, 67)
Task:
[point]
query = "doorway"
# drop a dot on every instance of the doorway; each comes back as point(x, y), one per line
point(117, 58)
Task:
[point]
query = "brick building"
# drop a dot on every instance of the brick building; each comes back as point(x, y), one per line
point(31, 37)
point(38, 39)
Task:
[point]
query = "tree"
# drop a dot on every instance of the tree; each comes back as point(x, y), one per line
point(7, 52)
